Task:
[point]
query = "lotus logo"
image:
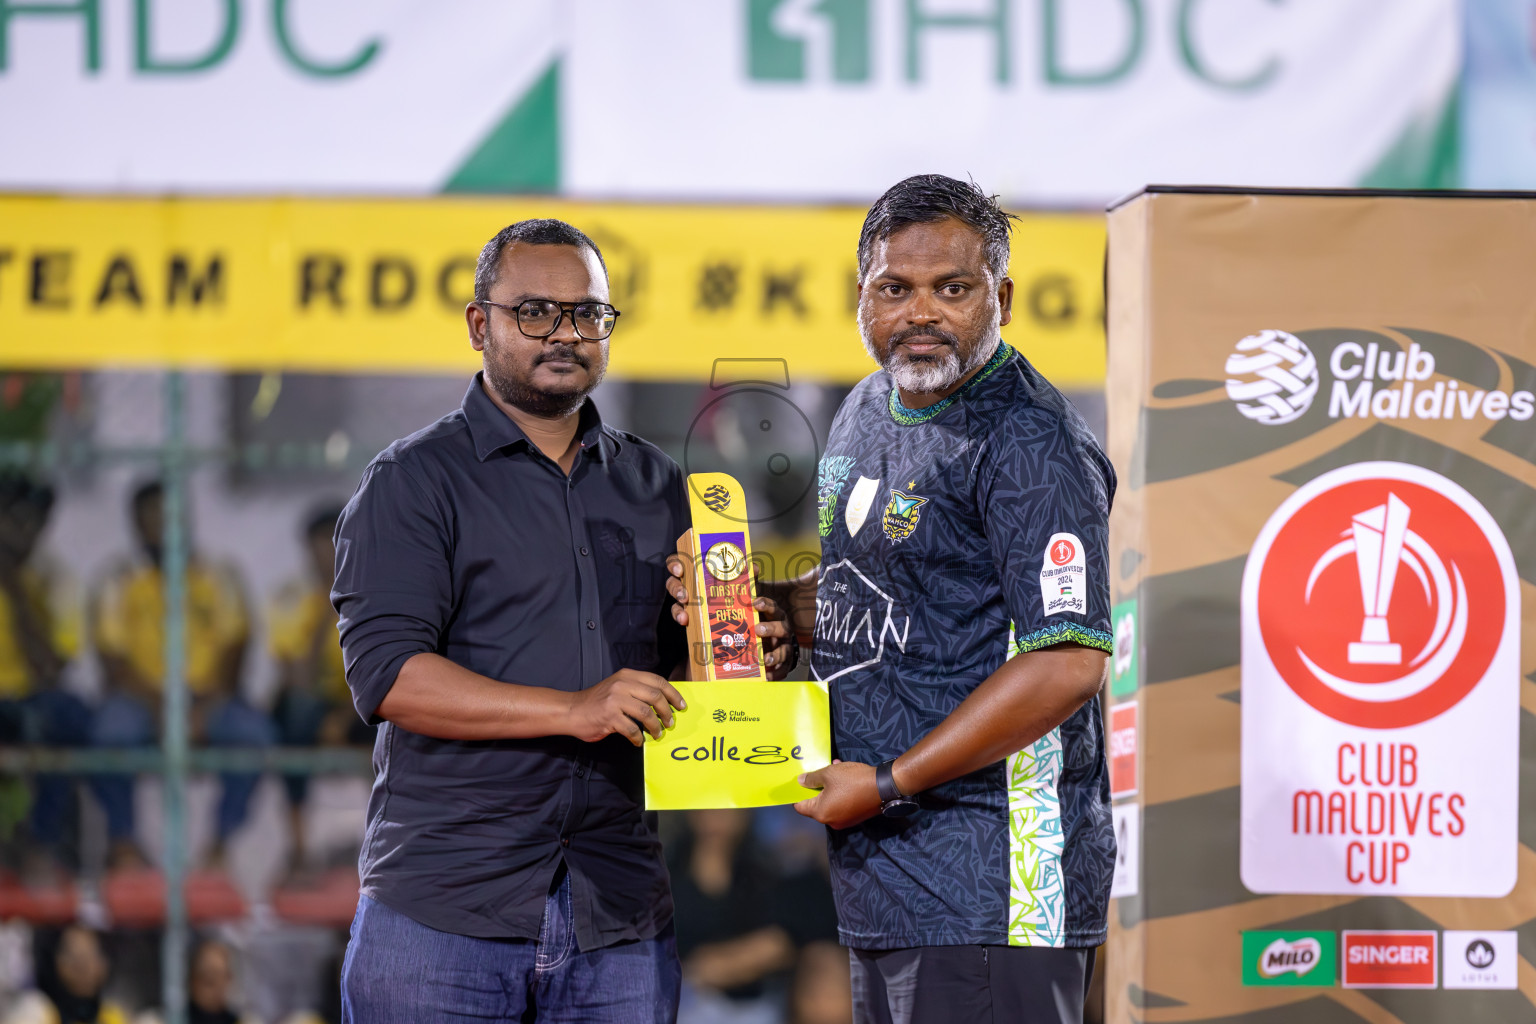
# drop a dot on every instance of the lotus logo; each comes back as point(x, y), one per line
point(719, 715)
point(716, 498)
point(1298, 957)
point(1480, 954)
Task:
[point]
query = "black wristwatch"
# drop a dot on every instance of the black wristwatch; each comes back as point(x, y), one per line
point(892, 803)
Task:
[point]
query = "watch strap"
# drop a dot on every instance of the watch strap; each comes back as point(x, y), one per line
point(885, 782)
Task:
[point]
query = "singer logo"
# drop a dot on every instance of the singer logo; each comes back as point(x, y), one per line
point(1389, 959)
point(1122, 750)
point(1380, 598)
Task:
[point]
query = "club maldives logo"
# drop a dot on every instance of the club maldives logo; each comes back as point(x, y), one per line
point(717, 498)
point(1380, 618)
point(1381, 594)
point(1273, 378)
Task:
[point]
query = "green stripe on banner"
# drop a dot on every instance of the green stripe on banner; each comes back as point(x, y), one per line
point(1425, 154)
point(522, 152)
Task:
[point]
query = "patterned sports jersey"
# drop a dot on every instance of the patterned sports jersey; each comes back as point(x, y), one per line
point(954, 537)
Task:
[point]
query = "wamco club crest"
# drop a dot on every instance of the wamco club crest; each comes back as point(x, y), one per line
point(1380, 691)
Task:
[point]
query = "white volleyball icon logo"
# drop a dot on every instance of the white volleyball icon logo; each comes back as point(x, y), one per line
point(1272, 376)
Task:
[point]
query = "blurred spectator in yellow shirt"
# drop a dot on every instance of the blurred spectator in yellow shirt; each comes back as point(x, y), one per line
point(128, 619)
point(314, 705)
point(39, 633)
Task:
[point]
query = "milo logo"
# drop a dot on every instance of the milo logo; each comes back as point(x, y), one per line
point(1289, 958)
point(1282, 957)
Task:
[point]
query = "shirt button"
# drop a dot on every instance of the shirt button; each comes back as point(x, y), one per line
point(591, 624)
point(565, 841)
point(583, 551)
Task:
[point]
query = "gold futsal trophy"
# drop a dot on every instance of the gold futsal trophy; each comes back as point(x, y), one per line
point(742, 741)
point(722, 638)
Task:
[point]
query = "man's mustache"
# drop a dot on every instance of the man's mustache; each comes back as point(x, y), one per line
point(932, 333)
point(568, 353)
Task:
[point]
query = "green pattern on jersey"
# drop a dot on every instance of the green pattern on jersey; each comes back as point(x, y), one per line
point(1036, 896)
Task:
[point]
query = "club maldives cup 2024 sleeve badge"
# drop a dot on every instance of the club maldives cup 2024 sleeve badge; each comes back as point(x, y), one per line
point(1380, 691)
point(743, 740)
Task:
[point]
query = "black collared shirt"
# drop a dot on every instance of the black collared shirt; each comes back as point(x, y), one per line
point(465, 540)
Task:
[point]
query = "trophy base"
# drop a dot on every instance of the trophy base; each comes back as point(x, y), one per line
point(1375, 653)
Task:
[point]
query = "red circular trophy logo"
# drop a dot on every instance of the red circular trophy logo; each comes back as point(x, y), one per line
point(1380, 596)
point(1062, 552)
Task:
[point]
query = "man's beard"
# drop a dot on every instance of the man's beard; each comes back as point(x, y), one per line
point(547, 404)
point(923, 374)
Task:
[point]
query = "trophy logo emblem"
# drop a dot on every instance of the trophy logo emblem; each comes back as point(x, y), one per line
point(1380, 601)
point(725, 561)
point(1378, 535)
point(1382, 543)
point(1380, 622)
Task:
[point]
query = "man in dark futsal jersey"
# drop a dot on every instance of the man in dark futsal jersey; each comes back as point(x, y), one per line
point(499, 578)
point(961, 625)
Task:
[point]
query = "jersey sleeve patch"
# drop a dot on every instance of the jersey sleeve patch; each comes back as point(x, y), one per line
point(1064, 576)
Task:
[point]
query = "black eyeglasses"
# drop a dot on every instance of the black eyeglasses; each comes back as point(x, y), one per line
point(539, 318)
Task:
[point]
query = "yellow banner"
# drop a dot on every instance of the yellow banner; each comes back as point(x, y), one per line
point(379, 286)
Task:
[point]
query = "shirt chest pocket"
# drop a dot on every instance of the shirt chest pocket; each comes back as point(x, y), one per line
point(629, 564)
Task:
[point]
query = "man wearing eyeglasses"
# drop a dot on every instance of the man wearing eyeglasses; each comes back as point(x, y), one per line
point(499, 580)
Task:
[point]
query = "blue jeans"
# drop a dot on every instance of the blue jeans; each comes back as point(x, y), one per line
point(122, 721)
point(397, 970)
point(52, 718)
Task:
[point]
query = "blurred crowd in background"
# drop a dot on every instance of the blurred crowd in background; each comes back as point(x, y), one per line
point(273, 856)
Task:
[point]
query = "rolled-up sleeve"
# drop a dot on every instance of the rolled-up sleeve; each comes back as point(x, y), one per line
point(393, 588)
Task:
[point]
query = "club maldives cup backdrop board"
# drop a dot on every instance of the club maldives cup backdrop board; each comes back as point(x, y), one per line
point(1322, 407)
